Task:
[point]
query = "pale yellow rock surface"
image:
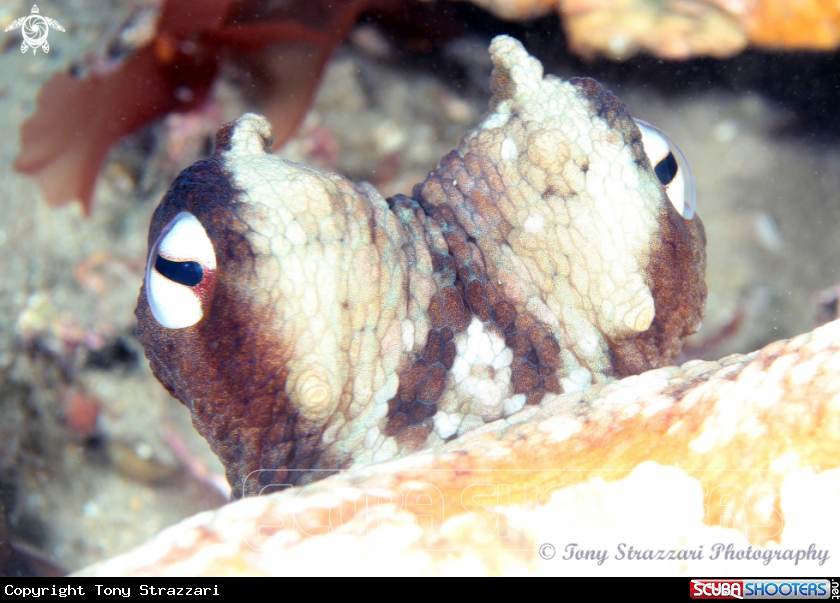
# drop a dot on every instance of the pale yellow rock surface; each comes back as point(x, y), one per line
point(742, 452)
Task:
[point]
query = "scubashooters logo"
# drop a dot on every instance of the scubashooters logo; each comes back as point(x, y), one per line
point(760, 589)
point(35, 29)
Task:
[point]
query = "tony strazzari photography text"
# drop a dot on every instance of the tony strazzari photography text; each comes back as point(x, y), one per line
point(717, 552)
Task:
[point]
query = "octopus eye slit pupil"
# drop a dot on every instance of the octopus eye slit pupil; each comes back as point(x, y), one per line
point(188, 274)
point(666, 170)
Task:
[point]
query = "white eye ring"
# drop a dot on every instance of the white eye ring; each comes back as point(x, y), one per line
point(671, 168)
point(180, 261)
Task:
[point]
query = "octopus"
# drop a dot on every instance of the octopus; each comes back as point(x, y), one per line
point(310, 325)
point(480, 372)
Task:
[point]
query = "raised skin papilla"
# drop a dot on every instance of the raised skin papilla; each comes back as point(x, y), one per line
point(541, 256)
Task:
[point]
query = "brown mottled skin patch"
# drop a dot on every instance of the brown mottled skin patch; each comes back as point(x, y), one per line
point(236, 398)
point(469, 294)
point(678, 291)
point(608, 106)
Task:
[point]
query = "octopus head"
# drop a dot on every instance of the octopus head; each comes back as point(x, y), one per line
point(310, 324)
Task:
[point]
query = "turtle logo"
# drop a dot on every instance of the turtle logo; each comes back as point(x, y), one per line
point(35, 30)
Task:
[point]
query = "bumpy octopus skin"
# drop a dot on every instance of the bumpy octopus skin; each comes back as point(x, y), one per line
point(311, 325)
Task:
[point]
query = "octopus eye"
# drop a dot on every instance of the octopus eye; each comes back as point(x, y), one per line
point(188, 274)
point(180, 261)
point(671, 168)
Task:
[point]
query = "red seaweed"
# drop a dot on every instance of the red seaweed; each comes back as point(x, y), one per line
point(78, 119)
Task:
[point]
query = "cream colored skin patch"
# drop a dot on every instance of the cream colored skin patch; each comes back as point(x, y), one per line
point(346, 328)
point(481, 378)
